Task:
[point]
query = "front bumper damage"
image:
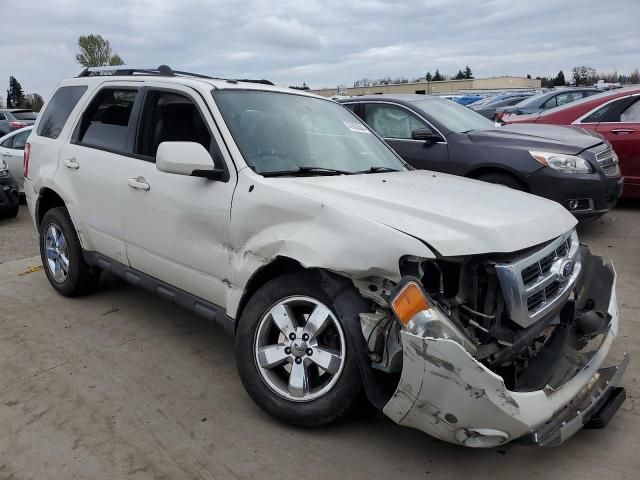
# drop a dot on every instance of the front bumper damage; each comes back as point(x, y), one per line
point(446, 393)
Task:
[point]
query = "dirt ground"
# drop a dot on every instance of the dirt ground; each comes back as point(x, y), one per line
point(121, 384)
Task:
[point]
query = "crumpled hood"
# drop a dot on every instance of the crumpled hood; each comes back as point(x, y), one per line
point(554, 138)
point(454, 215)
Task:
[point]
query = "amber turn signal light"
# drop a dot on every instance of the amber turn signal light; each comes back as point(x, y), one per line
point(408, 302)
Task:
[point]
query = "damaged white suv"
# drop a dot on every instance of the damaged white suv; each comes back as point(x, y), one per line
point(463, 309)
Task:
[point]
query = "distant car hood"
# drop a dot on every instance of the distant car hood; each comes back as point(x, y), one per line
point(453, 215)
point(555, 138)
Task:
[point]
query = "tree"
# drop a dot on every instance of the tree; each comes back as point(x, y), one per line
point(437, 77)
point(459, 75)
point(467, 73)
point(95, 51)
point(32, 101)
point(15, 95)
point(560, 80)
point(529, 76)
point(583, 75)
point(303, 87)
point(428, 77)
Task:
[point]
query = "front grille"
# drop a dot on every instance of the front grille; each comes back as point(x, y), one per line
point(540, 268)
point(534, 284)
point(608, 162)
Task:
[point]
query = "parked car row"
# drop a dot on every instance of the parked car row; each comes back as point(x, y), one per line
point(614, 115)
point(15, 118)
point(463, 309)
point(562, 164)
point(544, 101)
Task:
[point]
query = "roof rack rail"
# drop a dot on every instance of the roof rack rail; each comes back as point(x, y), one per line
point(161, 71)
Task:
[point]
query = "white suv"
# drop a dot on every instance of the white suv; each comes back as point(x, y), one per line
point(466, 310)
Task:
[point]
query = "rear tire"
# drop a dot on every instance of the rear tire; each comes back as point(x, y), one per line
point(62, 257)
point(505, 179)
point(273, 352)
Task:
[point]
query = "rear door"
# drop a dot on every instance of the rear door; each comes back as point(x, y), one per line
point(93, 167)
point(176, 226)
point(395, 123)
point(622, 129)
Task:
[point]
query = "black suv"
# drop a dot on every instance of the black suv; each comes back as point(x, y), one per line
point(558, 163)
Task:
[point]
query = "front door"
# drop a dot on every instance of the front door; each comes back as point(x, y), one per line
point(176, 226)
point(624, 135)
point(395, 123)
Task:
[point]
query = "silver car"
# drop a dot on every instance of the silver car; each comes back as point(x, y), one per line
point(12, 152)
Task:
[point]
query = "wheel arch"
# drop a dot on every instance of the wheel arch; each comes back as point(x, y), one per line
point(484, 170)
point(279, 266)
point(47, 199)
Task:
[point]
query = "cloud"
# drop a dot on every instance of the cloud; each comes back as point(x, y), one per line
point(322, 42)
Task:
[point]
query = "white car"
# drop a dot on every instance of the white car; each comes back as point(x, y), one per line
point(12, 152)
point(464, 309)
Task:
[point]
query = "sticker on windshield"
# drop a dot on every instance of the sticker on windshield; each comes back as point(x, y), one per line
point(356, 127)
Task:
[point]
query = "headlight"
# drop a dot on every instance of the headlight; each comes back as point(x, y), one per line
point(562, 162)
point(4, 169)
point(418, 315)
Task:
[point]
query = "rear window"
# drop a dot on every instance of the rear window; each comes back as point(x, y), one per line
point(105, 123)
point(58, 110)
point(25, 115)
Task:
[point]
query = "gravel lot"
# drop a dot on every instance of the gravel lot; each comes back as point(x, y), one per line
point(121, 384)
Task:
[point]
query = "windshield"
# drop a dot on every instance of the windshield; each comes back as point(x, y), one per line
point(452, 116)
point(280, 132)
point(25, 115)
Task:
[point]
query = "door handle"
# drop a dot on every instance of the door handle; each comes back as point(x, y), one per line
point(71, 163)
point(139, 183)
point(622, 130)
point(7, 155)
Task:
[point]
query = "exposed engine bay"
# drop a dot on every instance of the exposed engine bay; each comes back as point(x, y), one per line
point(545, 346)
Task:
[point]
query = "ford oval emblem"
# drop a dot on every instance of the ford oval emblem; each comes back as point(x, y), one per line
point(566, 270)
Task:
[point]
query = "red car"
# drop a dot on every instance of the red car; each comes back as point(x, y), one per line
point(615, 115)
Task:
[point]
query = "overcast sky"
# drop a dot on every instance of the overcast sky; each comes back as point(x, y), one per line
point(322, 43)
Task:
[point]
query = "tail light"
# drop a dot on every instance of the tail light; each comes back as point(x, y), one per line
point(16, 125)
point(25, 160)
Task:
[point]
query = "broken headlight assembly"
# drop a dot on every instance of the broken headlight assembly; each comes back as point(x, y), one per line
point(420, 315)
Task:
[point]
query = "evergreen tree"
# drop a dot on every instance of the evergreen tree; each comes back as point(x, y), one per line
point(459, 75)
point(467, 73)
point(428, 77)
point(560, 80)
point(437, 77)
point(15, 94)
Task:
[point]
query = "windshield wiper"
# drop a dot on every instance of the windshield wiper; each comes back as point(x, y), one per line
point(306, 171)
point(379, 170)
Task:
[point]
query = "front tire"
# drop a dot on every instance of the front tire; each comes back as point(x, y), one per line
point(62, 257)
point(293, 354)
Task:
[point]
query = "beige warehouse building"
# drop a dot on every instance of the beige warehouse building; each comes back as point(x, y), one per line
point(445, 86)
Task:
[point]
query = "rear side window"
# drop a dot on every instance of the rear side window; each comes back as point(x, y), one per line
point(58, 110)
point(105, 123)
point(25, 115)
point(607, 113)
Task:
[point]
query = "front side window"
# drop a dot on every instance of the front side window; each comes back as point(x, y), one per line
point(390, 121)
point(632, 113)
point(551, 103)
point(282, 132)
point(568, 97)
point(105, 122)
point(607, 113)
point(3, 116)
point(58, 110)
point(170, 117)
point(20, 140)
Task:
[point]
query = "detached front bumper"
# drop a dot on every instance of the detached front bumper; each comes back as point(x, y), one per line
point(446, 393)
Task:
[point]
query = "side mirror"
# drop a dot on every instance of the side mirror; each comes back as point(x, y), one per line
point(186, 158)
point(425, 134)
